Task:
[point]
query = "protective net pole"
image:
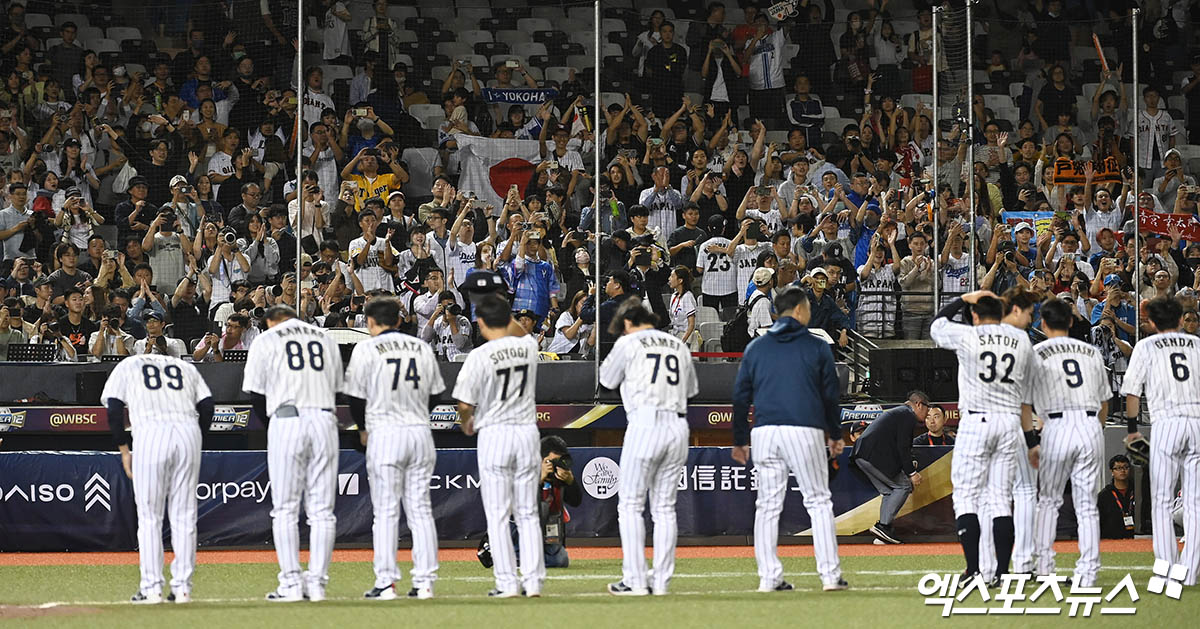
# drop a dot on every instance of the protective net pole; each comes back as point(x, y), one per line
point(298, 141)
point(970, 105)
point(598, 105)
point(1137, 180)
point(936, 252)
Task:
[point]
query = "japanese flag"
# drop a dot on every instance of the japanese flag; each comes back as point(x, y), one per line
point(490, 166)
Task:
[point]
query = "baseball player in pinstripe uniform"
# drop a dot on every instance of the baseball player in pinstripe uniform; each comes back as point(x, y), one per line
point(293, 371)
point(995, 369)
point(495, 392)
point(169, 407)
point(789, 376)
point(655, 373)
point(390, 381)
point(1070, 394)
point(1164, 366)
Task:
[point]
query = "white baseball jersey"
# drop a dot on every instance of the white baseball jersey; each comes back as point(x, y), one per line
point(371, 275)
point(745, 258)
point(1164, 366)
point(396, 374)
point(461, 259)
point(995, 364)
point(157, 389)
point(719, 277)
point(654, 371)
point(499, 379)
point(160, 393)
point(1069, 375)
point(296, 364)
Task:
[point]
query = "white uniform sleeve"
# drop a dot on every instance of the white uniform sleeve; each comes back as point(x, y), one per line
point(948, 334)
point(200, 388)
point(466, 387)
point(114, 387)
point(254, 379)
point(437, 384)
point(1135, 374)
point(354, 384)
point(612, 370)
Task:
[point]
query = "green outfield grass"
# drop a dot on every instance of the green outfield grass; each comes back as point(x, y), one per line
point(705, 593)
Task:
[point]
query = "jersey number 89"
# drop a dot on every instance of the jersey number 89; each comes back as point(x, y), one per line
point(153, 378)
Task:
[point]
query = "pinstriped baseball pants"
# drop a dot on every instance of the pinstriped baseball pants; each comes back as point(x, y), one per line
point(653, 455)
point(166, 466)
point(400, 463)
point(1175, 455)
point(800, 449)
point(302, 459)
point(509, 471)
point(1072, 449)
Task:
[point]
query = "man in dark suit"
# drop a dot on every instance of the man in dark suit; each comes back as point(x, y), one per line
point(884, 454)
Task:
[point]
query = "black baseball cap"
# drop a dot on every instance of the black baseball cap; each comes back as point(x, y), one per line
point(481, 282)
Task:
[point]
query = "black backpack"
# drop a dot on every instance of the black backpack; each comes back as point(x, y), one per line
point(734, 336)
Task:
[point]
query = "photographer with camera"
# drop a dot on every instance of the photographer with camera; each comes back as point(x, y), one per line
point(185, 205)
point(165, 246)
point(316, 210)
point(227, 265)
point(1005, 273)
point(212, 347)
point(559, 490)
point(13, 329)
point(110, 339)
point(50, 333)
point(157, 341)
point(76, 218)
point(447, 331)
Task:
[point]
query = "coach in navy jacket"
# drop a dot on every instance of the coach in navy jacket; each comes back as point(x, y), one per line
point(790, 377)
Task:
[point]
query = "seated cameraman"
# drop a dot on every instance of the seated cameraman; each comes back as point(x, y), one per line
point(156, 341)
point(558, 491)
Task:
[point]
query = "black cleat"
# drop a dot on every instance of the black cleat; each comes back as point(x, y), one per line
point(884, 533)
point(502, 594)
point(381, 594)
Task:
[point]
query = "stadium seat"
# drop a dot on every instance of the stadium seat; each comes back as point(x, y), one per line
point(455, 50)
point(473, 37)
point(34, 20)
point(707, 314)
point(497, 59)
point(558, 73)
point(647, 11)
point(433, 122)
point(89, 34)
point(79, 19)
point(512, 37)
point(779, 136)
point(710, 330)
point(421, 162)
point(609, 98)
point(581, 18)
point(438, 12)
point(420, 112)
point(996, 101)
point(551, 14)
point(829, 112)
point(474, 13)
point(529, 49)
point(439, 74)
point(335, 72)
point(531, 24)
point(494, 24)
point(488, 49)
point(400, 13)
point(609, 25)
point(119, 33)
point(911, 100)
point(104, 45)
point(550, 38)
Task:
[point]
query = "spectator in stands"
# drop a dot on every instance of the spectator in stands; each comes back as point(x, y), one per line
point(744, 249)
point(447, 329)
point(573, 334)
point(240, 214)
point(1190, 321)
point(15, 220)
point(211, 348)
point(335, 31)
point(764, 59)
point(381, 34)
point(1116, 501)
point(826, 314)
point(167, 247)
point(935, 429)
point(760, 318)
point(805, 111)
point(1115, 308)
point(534, 281)
point(721, 73)
point(663, 202)
point(111, 339)
point(65, 56)
point(12, 327)
point(916, 277)
point(68, 274)
point(663, 69)
point(1159, 135)
point(75, 327)
point(1167, 186)
point(876, 312)
point(156, 341)
point(189, 310)
point(262, 251)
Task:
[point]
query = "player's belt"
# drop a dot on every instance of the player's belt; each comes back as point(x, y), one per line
point(1060, 415)
point(291, 411)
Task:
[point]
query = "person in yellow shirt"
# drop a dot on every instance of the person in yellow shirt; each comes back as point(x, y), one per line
point(370, 181)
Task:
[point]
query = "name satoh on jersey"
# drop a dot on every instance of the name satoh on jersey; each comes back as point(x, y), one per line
point(994, 364)
point(654, 370)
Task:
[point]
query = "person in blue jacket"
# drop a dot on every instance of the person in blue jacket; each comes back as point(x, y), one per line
point(788, 374)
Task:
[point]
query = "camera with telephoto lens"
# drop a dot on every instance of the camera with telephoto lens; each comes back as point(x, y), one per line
point(454, 310)
point(229, 236)
point(559, 463)
point(258, 312)
point(52, 328)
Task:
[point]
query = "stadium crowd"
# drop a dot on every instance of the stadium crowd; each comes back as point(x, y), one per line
point(150, 200)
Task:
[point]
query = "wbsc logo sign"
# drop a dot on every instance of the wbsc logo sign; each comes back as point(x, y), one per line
point(97, 493)
point(602, 478)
